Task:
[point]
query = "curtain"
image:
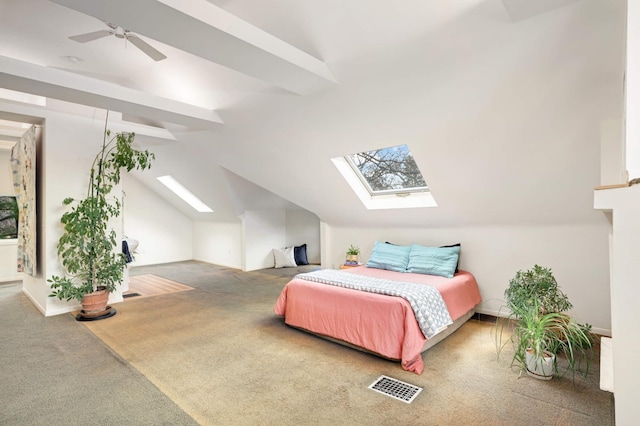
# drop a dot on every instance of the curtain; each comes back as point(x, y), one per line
point(23, 166)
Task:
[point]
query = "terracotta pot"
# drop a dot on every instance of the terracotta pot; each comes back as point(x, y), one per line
point(96, 302)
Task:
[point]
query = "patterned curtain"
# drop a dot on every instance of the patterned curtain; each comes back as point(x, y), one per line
point(23, 165)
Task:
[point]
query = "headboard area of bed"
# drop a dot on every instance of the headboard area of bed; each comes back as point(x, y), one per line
point(441, 261)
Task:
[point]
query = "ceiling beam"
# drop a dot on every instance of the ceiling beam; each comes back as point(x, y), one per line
point(205, 30)
point(59, 84)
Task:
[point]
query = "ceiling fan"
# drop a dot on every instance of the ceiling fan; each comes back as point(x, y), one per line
point(121, 33)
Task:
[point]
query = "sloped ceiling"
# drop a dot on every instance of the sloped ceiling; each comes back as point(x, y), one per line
point(502, 114)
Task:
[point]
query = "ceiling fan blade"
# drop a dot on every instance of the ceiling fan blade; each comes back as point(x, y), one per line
point(83, 38)
point(146, 48)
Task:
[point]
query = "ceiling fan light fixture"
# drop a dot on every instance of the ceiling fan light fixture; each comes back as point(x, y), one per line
point(121, 33)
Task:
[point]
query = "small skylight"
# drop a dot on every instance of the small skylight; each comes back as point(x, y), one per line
point(386, 178)
point(184, 193)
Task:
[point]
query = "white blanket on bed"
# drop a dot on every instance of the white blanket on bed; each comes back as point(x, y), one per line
point(428, 306)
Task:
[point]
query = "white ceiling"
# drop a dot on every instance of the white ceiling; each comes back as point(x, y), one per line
point(499, 100)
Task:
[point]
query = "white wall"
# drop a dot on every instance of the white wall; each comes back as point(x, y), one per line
point(632, 90)
point(6, 180)
point(577, 255)
point(262, 231)
point(164, 233)
point(8, 256)
point(219, 243)
point(303, 227)
point(625, 293)
point(612, 157)
point(624, 203)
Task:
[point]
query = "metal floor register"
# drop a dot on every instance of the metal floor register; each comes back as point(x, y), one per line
point(395, 389)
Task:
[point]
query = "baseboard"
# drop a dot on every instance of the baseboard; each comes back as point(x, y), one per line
point(35, 302)
point(601, 331)
point(492, 317)
point(224, 265)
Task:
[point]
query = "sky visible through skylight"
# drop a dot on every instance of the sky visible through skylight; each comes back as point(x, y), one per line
point(388, 170)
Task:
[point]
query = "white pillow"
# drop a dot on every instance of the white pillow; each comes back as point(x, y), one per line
point(284, 258)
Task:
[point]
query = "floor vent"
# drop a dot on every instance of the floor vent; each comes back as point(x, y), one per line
point(395, 389)
point(125, 296)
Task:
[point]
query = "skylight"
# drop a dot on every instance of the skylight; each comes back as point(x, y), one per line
point(386, 178)
point(388, 171)
point(184, 193)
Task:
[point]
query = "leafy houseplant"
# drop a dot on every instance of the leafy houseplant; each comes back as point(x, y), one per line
point(352, 253)
point(540, 330)
point(87, 246)
point(539, 287)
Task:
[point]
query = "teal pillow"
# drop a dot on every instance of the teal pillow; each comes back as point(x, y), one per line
point(440, 261)
point(455, 245)
point(389, 256)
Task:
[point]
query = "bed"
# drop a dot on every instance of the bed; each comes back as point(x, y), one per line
point(378, 323)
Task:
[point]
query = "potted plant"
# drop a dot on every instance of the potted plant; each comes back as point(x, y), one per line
point(539, 337)
point(88, 244)
point(540, 328)
point(537, 286)
point(352, 254)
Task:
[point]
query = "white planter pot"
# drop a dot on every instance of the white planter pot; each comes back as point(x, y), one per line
point(540, 367)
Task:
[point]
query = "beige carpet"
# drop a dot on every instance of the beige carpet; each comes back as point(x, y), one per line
point(54, 371)
point(148, 285)
point(221, 354)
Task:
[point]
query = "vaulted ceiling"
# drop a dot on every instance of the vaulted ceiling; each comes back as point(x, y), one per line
point(500, 101)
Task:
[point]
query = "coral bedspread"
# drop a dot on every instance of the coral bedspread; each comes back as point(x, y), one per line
point(383, 324)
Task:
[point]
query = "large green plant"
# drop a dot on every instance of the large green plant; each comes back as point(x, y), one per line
point(537, 287)
point(87, 246)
